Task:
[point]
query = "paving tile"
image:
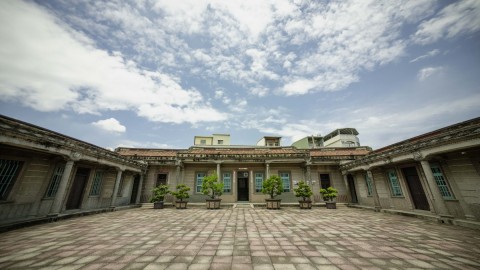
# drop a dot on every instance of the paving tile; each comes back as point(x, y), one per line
point(241, 239)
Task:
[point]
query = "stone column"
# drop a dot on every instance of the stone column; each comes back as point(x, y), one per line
point(140, 186)
point(438, 202)
point(309, 176)
point(347, 187)
point(115, 189)
point(58, 202)
point(267, 170)
point(218, 171)
point(178, 172)
point(376, 198)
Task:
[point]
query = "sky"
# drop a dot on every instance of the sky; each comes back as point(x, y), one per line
point(156, 73)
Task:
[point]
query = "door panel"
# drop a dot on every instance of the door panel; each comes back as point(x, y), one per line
point(78, 186)
point(136, 183)
point(415, 187)
point(351, 186)
point(242, 186)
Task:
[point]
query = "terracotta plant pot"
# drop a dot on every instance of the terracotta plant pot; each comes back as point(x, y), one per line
point(273, 203)
point(181, 204)
point(213, 203)
point(305, 204)
point(331, 205)
point(158, 205)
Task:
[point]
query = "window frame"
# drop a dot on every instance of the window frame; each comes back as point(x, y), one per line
point(261, 183)
point(198, 186)
point(369, 184)
point(394, 186)
point(321, 182)
point(97, 182)
point(10, 183)
point(55, 179)
point(231, 181)
point(289, 181)
point(439, 176)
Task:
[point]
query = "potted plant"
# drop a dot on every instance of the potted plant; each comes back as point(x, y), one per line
point(305, 192)
point(180, 194)
point(273, 186)
point(159, 194)
point(213, 189)
point(328, 195)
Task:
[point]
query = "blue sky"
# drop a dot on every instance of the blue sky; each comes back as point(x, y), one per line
point(156, 73)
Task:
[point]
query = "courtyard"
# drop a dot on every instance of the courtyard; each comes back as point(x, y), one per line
point(241, 238)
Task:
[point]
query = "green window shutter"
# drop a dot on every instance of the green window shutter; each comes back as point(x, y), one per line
point(441, 181)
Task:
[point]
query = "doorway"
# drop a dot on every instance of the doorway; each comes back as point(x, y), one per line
point(136, 183)
point(78, 186)
point(161, 179)
point(415, 187)
point(351, 187)
point(242, 186)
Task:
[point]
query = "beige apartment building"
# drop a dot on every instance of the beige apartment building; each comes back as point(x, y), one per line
point(45, 175)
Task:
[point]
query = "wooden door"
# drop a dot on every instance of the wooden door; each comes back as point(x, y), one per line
point(351, 186)
point(78, 187)
point(242, 186)
point(416, 189)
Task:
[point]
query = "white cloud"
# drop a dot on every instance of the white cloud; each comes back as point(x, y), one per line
point(460, 17)
point(49, 67)
point(110, 124)
point(427, 55)
point(351, 37)
point(282, 47)
point(427, 72)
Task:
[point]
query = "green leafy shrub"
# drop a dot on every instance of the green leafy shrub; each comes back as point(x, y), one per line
point(159, 193)
point(303, 190)
point(181, 192)
point(273, 186)
point(211, 187)
point(329, 193)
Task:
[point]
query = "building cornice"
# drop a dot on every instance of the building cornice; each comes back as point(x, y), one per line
point(20, 134)
point(420, 146)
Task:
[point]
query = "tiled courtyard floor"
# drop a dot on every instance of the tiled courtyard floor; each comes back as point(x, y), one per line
point(241, 238)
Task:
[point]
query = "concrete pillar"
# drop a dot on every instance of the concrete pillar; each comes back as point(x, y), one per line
point(178, 173)
point(58, 202)
point(437, 200)
point(218, 171)
point(376, 198)
point(309, 175)
point(267, 170)
point(117, 185)
point(347, 187)
point(140, 186)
